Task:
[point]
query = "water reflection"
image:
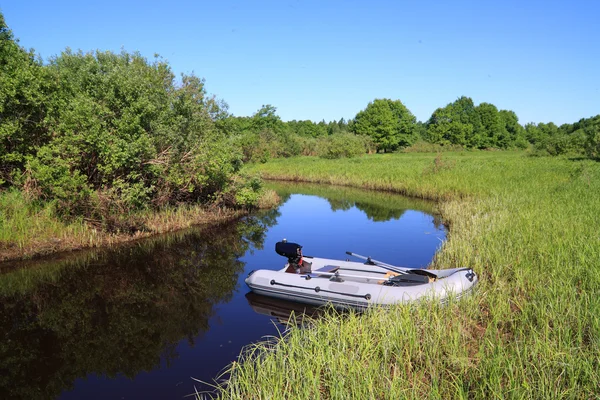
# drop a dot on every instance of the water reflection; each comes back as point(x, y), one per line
point(283, 311)
point(377, 206)
point(116, 313)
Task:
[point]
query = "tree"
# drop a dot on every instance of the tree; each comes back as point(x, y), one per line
point(457, 123)
point(389, 123)
point(126, 136)
point(591, 129)
point(266, 119)
point(493, 129)
point(516, 133)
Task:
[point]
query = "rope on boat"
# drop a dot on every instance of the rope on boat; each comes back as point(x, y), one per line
point(317, 289)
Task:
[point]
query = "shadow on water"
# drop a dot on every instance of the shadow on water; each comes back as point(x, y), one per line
point(115, 312)
point(283, 311)
point(141, 319)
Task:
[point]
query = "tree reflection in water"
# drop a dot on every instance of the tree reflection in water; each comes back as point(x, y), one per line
point(116, 312)
point(378, 206)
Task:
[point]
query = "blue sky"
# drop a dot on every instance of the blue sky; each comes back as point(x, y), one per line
point(327, 59)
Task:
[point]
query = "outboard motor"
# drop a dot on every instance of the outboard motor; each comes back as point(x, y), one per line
point(293, 252)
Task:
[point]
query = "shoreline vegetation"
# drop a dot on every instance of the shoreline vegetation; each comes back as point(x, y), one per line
point(30, 231)
point(526, 225)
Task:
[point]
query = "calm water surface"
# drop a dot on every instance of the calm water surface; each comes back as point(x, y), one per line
point(141, 320)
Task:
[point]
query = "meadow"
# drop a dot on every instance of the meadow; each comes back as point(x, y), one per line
point(527, 225)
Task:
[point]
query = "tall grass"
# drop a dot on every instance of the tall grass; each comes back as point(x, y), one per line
point(528, 226)
point(29, 229)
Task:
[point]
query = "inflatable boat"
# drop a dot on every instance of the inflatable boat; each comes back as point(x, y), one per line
point(318, 281)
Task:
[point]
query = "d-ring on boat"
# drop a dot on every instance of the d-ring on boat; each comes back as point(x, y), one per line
point(318, 281)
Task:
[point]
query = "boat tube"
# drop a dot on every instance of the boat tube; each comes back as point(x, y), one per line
point(344, 284)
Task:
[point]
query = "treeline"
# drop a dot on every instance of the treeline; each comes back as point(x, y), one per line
point(582, 137)
point(387, 125)
point(103, 135)
point(484, 126)
point(264, 135)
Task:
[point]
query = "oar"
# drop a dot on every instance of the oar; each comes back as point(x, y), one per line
point(405, 276)
point(404, 271)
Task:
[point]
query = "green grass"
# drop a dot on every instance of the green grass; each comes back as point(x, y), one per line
point(530, 227)
point(29, 229)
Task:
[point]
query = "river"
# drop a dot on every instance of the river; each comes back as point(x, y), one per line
point(141, 319)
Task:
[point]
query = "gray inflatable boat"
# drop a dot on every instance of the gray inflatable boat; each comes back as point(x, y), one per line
point(319, 281)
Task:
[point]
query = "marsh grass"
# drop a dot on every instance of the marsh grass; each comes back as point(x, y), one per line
point(29, 229)
point(529, 228)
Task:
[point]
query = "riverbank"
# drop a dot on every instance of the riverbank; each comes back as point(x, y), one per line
point(29, 229)
point(528, 226)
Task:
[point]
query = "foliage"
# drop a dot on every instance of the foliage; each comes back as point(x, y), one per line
point(483, 126)
point(389, 123)
point(515, 133)
point(126, 136)
point(579, 138)
point(22, 109)
point(493, 131)
point(344, 145)
point(104, 135)
point(591, 129)
point(458, 123)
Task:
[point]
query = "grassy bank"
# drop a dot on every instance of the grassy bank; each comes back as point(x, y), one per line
point(29, 229)
point(528, 226)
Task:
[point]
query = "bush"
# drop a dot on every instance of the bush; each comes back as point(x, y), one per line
point(560, 144)
point(344, 145)
point(126, 137)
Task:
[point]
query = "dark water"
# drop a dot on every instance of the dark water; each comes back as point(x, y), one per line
point(141, 320)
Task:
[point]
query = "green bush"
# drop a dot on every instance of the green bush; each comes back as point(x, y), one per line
point(560, 144)
point(126, 136)
point(344, 145)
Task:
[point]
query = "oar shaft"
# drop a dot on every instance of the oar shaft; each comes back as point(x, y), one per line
point(368, 278)
point(379, 263)
point(344, 275)
point(400, 270)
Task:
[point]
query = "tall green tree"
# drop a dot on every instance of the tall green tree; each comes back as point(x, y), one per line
point(493, 129)
point(456, 123)
point(444, 127)
point(516, 132)
point(388, 122)
point(266, 119)
point(591, 129)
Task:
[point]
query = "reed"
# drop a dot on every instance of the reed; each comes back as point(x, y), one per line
point(529, 228)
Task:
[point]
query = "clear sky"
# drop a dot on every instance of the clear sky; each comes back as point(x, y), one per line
point(327, 59)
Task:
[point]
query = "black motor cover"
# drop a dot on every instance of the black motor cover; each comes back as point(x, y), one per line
point(289, 250)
